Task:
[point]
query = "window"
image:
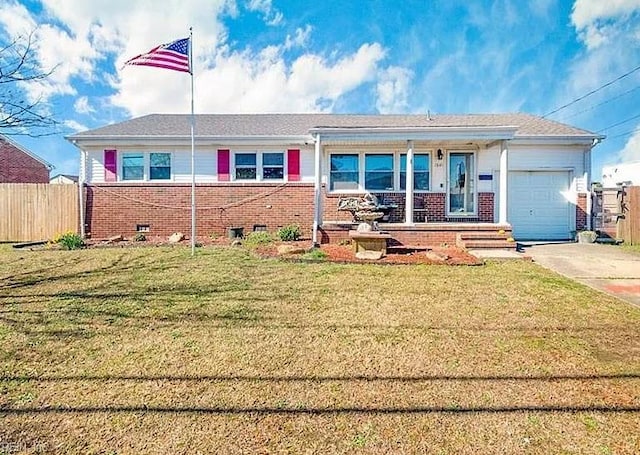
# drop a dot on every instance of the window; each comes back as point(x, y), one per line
point(345, 172)
point(159, 166)
point(461, 183)
point(420, 171)
point(246, 166)
point(273, 166)
point(378, 172)
point(132, 166)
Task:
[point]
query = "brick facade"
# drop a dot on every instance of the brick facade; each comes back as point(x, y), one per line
point(17, 166)
point(581, 212)
point(113, 209)
point(428, 207)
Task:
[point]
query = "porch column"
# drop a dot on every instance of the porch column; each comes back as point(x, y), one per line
point(317, 199)
point(504, 182)
point(409, 187)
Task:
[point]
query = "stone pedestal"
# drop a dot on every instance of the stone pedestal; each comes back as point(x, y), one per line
point(369, 245)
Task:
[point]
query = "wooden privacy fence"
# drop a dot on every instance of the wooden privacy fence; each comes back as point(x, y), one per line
point(37, 211)
point(629, 223)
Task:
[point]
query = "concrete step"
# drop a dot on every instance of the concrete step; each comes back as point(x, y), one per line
point(494, 235)
point(487, 244)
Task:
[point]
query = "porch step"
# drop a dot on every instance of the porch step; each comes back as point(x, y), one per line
point(486, 240)
point(487, 244)
point(484, 235)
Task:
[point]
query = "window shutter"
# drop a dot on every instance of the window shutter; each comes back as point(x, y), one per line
point(293, 165)
point(223, 165)
point(110, 165)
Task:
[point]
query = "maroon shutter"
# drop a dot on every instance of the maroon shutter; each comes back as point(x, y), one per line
point(293, 165)
point(223, 165)
point(110, 165)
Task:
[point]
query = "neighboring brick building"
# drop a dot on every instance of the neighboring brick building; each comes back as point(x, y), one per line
point(471, 172)
point(18, 165)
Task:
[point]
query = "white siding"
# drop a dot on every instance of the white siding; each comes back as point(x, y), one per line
point(95, 167)
point(206, 166)
point(307, 165)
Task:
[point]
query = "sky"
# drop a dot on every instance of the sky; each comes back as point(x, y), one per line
point(355, 56)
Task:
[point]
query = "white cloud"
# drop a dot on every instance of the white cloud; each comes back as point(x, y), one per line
point(251, 82)
point(300, 38)
point(75, 126)
point(82, 106)
point(393, 90)
point(270, 15)
point(631, 150)
point(591, 18)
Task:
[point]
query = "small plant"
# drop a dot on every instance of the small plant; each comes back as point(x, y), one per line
point(344, 242)
point(258, 238)
point(69, 241)
point(289, 233)
point(315, 254)
point(139, 237)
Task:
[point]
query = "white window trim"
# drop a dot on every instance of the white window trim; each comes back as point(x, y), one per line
point(450, 214)
point(146, 163)
point(361, 169)
point(259, 166)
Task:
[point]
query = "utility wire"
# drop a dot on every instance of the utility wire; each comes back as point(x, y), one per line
point(617, 124)
point(637, 68)
point(637, 130)
point(590, 108)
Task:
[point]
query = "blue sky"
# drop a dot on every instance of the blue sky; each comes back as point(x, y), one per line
point(359, 56)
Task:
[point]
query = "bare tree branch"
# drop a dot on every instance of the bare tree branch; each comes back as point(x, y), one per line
point(18, 67)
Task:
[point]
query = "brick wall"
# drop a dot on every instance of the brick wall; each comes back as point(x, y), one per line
point(18, 167)
point(429, 207)
point(113, 209)
point(581, 212)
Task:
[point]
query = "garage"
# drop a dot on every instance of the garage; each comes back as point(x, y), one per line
point(538, 207)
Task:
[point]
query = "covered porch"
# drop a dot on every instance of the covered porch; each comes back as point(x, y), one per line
point(443, 184)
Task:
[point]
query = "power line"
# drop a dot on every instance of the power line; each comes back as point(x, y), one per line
point(592, 92)
point(617, 124)
point(637, 130)
point(609, 100)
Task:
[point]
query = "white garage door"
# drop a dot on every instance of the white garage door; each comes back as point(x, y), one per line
point(538, 208)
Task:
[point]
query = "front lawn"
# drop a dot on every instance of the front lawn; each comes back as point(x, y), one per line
point(151, 351)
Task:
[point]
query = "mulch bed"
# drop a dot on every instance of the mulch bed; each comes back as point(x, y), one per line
point(447, 255)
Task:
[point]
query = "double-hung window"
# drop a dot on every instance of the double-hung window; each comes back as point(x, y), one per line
point(159, 166)
point(345, 172)
point(246, 166)
point(132, 166)
point(272, 166)
point(378, 171)
point(420, 171)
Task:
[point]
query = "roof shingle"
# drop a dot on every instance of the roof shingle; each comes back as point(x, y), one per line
point(241, 125)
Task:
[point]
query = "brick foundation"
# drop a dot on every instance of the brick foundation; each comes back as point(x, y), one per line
point(113, 209)
point(428, 207)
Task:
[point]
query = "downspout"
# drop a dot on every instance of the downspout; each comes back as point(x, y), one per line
point(317, 212)
point(81, 180)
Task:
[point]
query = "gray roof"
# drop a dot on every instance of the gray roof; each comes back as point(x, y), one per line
point(243, 125)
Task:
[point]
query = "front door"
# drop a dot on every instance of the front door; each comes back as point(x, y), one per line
point(461, 191)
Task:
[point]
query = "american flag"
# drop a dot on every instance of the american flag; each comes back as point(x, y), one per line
point(171, 56)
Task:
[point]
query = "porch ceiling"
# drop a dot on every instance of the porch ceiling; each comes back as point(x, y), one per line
point(436, 143)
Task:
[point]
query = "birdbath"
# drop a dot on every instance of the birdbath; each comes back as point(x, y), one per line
point(368, 218)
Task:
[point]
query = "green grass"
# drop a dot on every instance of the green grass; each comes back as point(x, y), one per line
point(148, 350)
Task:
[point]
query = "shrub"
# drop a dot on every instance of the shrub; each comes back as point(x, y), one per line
point(69, 241)
point(289, 233)
point(316, 254)
point(139, 237)
point(258, 238)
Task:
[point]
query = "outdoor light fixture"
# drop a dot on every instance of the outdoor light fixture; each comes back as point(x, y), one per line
point(440, 154)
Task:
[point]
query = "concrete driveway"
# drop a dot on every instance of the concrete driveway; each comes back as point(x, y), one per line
point(604, 267)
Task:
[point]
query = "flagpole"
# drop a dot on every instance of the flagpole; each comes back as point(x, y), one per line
point(193, 151)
